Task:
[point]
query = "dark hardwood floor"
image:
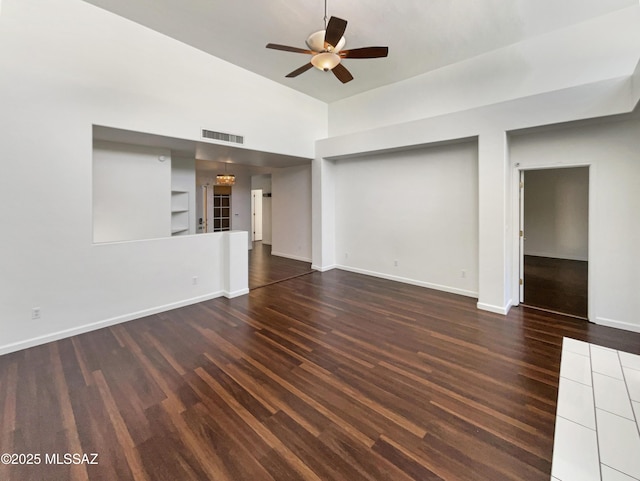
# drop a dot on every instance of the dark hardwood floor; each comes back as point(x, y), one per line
point(327, 376)
point(265, 269)
point(558, 285)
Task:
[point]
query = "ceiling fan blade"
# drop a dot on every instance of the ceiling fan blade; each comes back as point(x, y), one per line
point(286, 48)
point(365, 52)
point(335, 31)
point(341, 72)
point(300, 70)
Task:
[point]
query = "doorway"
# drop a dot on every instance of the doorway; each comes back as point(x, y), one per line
point(256, 215)
point(213, 209)
point(554, 230)
point(264, 268)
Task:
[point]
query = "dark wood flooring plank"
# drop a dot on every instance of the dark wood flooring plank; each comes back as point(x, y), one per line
point(265, 269)
point(122, 433)
point(8, 408)
point(277, 398)
point(558, 285)
point(369, 464)
point(267, 436)
point(238, 459)
point(310, 450)
point(71, 440)
point(330, 413)
point(409, 463)
point(328, 376)
point(97, 434)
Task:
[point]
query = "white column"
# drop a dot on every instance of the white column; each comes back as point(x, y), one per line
point(236, 263)
point(494, 229)
point(323, 215)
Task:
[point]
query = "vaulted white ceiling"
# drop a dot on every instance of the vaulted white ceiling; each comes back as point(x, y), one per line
point(422, 35)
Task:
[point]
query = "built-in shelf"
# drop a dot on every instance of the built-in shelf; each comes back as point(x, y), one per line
point(179, 212)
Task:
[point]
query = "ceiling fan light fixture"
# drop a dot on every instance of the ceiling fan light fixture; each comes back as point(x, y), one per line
point(315, 42)
point(325, 61)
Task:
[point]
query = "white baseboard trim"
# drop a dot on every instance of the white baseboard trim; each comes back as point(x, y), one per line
point(55, 336)
point(291, 256)
point(627, 326)
point(238, 293)
point(508, 306)
point(323, 268)
point(504, 310)
point(405, 280)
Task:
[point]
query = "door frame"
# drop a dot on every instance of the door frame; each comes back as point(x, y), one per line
point(518, 220)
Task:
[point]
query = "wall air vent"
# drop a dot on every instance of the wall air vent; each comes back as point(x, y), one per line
point(210, 134)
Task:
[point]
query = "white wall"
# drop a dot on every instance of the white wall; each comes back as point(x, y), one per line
point(611, 150)
point(602, 48)
point(418, 208)
point(67, 65)
point(131, 192)
point(497, 274)
point(556, 213)
point(291, 212)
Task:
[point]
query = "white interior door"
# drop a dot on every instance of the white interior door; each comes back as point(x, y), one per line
point(522, 238)
point(256, 214)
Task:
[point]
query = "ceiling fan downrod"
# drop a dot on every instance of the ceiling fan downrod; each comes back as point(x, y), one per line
point(325, 14)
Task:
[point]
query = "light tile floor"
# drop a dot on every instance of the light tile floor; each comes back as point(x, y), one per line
point(597, 420)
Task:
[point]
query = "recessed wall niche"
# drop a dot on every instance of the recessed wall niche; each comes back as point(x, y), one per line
point(139, 191)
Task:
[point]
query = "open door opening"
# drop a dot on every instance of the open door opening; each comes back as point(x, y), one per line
point(264, 267)
point(256, 215)
point(554, 229)
point(213, 209)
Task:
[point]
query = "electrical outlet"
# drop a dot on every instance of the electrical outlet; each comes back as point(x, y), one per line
point(395, 263)
point(194, 280)
point(346, 255)
point(463, 274)
point(35, 313)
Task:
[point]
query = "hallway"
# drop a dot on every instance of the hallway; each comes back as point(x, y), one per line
point(265, 269)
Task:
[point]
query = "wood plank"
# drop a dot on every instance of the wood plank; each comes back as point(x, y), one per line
point(265, 269)
point(559, 285)
point(328, 376)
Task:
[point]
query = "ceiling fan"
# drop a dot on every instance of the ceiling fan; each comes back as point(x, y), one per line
point(325, 47)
